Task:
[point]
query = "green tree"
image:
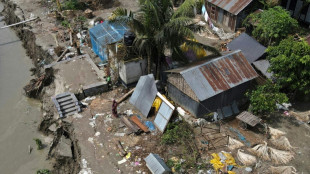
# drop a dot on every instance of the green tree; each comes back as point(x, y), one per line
point(264, 98)
point(290, 63)
point(158, 27)
point(272, 25)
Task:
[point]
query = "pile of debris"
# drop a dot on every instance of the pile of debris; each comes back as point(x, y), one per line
point(34, 87)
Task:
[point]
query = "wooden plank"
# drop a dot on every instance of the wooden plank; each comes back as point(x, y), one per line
point(125, 96)
point(128, 123)
point(137, 121)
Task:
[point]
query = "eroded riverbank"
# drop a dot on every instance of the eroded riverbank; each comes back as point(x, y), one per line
point(38, 57)
point(19, 115)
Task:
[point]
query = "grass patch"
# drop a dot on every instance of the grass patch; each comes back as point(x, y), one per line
point(39, 143)
point(44, 171)
point(181, 136)
point(65, 23)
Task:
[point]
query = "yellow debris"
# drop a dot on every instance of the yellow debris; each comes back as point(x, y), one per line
point(217, 164)
point(157, 102)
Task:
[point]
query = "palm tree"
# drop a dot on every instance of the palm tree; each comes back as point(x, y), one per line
point(158, 27)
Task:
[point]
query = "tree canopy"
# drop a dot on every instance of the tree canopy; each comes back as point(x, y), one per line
point(264, 98)
point(158, 27)
point(272, 25)
point(290, 64)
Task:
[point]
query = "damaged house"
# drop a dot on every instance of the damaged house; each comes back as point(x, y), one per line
point(108, 42)
point(228, 13)
point(211, 86)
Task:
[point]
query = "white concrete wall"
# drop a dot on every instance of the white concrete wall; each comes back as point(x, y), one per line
point(131, 71)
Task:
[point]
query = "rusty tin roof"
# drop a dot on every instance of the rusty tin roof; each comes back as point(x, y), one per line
point(213, 77)
point(232, 6)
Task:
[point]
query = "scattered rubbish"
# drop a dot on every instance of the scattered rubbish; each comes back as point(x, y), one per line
point(89, 98)
point(240, 136)
point(150, 125)
point(234, 144)
point(109, 129)
point(248, 169)
point(83, 103)
point(275, 133)
point(137, 121)
point(119, 134)
point(85, 169)
point(91, 140)
point(97, 134)
point(281, 143)
point(120, 147)
point(181, 111)
point(200, 122)
point(92, 122)
point(261, 150)
point(76, 115)
point(246, 159)
point(122, 161)
point(283, 106)
point(221, 160)
point(283, 170)
point(129, 112)
point(29, 149)
point(280, 156)
point(156, 165)
point(286, 113)
point(128, 155)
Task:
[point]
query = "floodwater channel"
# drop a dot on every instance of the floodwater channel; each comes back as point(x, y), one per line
point(19, 115)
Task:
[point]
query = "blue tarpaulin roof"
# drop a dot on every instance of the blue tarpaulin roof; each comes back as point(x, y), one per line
point(108, 32)
point(104, 34)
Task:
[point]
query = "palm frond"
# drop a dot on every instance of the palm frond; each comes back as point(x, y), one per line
point(186, 9)
point(200, 45)
point(119, 13)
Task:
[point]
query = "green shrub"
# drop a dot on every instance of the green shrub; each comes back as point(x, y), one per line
point(44, 171)
point(65, 24)
point(39, 143)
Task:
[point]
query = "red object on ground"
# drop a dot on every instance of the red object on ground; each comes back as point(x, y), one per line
point(137, 121)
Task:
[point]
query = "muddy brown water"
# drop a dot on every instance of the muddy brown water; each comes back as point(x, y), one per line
point(19, 116)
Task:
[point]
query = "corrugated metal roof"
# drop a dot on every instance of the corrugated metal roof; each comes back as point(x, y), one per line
point(232, 6)
point(262, 66)
point(218, 75)
point(144, 94)
point(251, 49)
point(108, 32)
point(156, 165)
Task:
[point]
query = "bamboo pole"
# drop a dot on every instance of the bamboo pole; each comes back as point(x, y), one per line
point(28, 20)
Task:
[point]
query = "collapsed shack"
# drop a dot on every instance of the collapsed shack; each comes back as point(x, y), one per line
point(35, 86)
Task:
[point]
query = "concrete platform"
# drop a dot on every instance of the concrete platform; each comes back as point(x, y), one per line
point(74, 74)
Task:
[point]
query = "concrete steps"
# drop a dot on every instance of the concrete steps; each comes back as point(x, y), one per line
point(66, 104)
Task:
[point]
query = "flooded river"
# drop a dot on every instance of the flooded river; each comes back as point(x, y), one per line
point(19, 116)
